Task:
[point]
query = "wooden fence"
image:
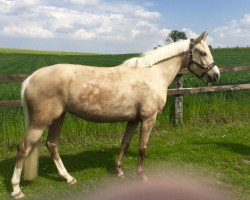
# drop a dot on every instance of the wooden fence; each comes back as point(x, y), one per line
point(178, 92)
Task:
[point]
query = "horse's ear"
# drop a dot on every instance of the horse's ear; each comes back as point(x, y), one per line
point(203, 37)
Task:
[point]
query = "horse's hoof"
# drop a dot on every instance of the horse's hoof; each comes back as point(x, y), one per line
point(72, 182)
point(120, 175)
point(143, 178)
point(18, 195)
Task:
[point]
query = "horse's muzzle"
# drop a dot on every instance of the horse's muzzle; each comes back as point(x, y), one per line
point(216, 77)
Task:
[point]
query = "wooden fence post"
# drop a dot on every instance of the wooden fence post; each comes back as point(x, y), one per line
point(178, 101)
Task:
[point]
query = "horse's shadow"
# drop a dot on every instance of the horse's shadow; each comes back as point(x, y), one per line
point(233, 147)
point(73, 162)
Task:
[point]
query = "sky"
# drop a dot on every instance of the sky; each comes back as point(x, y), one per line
point(119, 26)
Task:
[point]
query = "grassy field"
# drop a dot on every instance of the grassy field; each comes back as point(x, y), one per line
point(214, 142)
point(26, 61)
point(218, 154)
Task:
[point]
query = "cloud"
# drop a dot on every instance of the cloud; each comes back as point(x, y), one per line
point(246, 20)
point(83, 34)
point(164, 32)
point(27, 2)
point(148, 4)
point(189, 33)
point(143, 27)
point(5, 6)
point(234, 28)
point(147, 14)
point(235, 32)
point(77, 19)
point(85, 22)
point(84, 2)
point(27, 30)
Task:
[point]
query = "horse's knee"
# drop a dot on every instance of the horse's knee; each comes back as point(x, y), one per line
point(48, 144)
point(22, 153)
point(118, 164)
point(142, 151)
point(52, 148)
point(21, 150)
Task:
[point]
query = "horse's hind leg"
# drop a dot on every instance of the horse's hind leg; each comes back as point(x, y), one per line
point(51, 143)
point(23, 150)
point(130, 129)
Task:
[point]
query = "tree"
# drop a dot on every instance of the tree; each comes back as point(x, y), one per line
point(175, 35)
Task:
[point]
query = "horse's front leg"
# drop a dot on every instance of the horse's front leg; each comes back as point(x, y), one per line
point(146, 127)
point(130, 129)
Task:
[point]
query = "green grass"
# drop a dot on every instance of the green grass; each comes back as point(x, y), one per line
point(16, 61)
point(219, 154)
point(40, 52)
point(232, 56)
point(214, 142)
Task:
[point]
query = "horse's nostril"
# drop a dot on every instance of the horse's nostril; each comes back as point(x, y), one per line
point(216, 77)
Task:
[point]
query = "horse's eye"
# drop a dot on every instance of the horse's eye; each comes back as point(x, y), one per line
point(203, 53)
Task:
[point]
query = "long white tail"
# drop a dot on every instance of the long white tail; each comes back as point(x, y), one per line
point(30, 167)
point(24, 103)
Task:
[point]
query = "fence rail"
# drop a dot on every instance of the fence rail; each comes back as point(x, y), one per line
point(182, 91)
point(10, 104)
point(12, 78)
point(178, 92)
point(222, 69)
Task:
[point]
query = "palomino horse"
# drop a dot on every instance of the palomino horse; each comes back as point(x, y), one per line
point(135, 92)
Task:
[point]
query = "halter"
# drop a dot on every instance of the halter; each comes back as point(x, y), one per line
point(191, 61)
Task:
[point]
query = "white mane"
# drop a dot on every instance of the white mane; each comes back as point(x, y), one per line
point(152, 57)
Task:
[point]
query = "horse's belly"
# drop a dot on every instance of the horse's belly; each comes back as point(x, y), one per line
point(105, 115)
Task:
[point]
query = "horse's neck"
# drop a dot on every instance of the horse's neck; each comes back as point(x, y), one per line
point(169, 69)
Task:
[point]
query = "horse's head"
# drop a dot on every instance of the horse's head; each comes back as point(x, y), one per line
point(201, 62)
